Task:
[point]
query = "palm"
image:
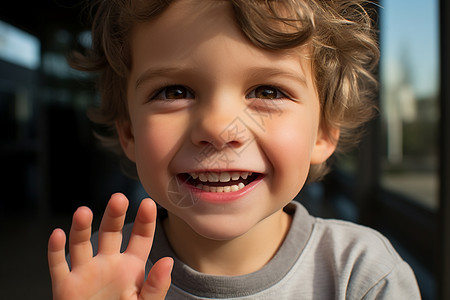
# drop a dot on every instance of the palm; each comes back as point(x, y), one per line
point(110, 274)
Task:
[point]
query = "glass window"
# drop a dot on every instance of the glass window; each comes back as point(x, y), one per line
point(409, 78)
point(19, 47)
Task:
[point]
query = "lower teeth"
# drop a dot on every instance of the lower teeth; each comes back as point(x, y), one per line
point(220, 189)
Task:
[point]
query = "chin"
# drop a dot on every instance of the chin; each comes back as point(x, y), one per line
point(220, 228)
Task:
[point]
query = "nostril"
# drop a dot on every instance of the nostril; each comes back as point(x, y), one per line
point(220, 134)
point(212, 145)
point(233, 144)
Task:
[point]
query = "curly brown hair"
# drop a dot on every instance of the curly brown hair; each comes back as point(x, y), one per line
point(340, 32)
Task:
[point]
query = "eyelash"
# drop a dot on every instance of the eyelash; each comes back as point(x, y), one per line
point(164, 89)
point(280, 94)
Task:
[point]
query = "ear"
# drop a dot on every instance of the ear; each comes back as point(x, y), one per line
point(126, 138)
point(325, 145)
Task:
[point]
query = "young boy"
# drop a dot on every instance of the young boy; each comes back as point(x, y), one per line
point(225, 109)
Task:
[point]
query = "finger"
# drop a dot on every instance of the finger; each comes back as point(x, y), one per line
point(141, 238)
point(79, 239)
point(158, 280)
point(110, 233)
point(57, 255)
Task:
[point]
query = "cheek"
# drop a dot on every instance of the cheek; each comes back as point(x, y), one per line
point(292, 134)
point(152, 144)
point(156, 142)
point(289, 149)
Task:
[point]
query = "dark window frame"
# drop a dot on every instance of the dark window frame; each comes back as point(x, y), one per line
point(425, 233)
point(444, 209)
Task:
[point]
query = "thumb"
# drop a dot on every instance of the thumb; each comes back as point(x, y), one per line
point(158, 280)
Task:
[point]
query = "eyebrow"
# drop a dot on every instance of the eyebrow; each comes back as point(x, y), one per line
point(157, 72)
point(255, 73)
point(266, 72)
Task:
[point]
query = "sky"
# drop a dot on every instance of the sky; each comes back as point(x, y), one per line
point(409, 31)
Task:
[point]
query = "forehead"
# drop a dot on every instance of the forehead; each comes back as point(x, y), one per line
point(196, 33)
point(185, 24)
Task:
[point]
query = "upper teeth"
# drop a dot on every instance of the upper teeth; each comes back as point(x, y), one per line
point(219, 176)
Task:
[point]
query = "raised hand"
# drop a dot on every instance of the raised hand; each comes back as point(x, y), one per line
point(110, 274)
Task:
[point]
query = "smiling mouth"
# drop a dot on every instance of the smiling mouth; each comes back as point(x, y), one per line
point(219, 182)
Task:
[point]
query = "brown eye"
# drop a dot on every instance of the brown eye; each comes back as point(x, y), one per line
point(266, 92)
point(176, 92)
point(173, 92)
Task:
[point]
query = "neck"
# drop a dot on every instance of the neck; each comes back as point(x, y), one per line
point(238, 256)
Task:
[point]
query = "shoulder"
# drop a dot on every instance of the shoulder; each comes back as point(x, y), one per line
point(354, 246)
point(353, 238)
point(362, 259)
point(342, 238)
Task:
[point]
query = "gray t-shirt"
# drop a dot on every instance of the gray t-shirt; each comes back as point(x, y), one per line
point(319, 259)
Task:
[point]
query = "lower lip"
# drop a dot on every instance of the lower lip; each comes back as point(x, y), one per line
point(224, 197)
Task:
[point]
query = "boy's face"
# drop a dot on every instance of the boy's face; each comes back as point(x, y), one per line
point(204, 101)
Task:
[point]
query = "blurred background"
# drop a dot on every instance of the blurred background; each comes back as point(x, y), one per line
point(397, 181)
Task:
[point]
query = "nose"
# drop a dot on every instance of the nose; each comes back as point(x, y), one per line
point(221, 126)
